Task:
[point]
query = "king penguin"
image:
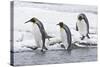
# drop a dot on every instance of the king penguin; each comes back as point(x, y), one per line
point(39, 33)
point(65, 36)
point(82, 25)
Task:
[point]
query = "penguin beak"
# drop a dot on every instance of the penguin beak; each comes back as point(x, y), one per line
point(57, 24)
point(27, 21)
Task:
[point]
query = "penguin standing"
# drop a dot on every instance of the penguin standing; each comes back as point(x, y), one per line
point(82, 26)
point(39, 33)
point(65, 36)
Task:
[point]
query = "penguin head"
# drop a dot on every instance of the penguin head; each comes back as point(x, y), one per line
point(60, 24)
point(33, 20)
point(80, 17)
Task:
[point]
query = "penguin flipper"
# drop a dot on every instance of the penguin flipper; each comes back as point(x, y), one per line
point(76, 28)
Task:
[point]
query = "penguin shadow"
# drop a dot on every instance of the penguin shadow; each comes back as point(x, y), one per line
point(68, 51)
point(38, 51)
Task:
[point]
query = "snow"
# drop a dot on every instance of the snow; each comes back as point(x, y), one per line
point(23, 33)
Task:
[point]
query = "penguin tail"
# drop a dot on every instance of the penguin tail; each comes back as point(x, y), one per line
point(49, 36)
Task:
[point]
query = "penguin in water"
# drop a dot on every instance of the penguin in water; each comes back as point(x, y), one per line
point(82, 25)
point(39, 33)
point(65, 36)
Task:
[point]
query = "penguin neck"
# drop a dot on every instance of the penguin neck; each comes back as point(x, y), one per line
point(61, 28)
point(33, 24)
point(81, 20)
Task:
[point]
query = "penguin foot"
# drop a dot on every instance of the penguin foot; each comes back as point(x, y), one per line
point(62, 46)
point(88, 36)
point(82, 37)
point(35, 48)
point(42, 50)
point(46, 48)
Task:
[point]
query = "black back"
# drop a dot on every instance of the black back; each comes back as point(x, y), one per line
point(42, 33)
point(69, 38)
point(40, 24)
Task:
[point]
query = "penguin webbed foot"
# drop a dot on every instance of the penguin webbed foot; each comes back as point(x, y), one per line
point(43, 49)
point(88, 36)
point(33, 48)
point(82, 37)
point(62, 46)
point(46, 48)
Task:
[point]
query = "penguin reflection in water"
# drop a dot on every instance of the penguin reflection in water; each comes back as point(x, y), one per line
point(82, 26)
point(65, 36)
point(39, 34)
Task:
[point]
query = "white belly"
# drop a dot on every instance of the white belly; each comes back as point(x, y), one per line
point(82, 27)
point(64, 38)
point(37, 36)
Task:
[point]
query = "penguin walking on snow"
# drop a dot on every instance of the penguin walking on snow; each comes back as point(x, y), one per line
point(82, 26)
point(65, 36)
point(39, 33)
